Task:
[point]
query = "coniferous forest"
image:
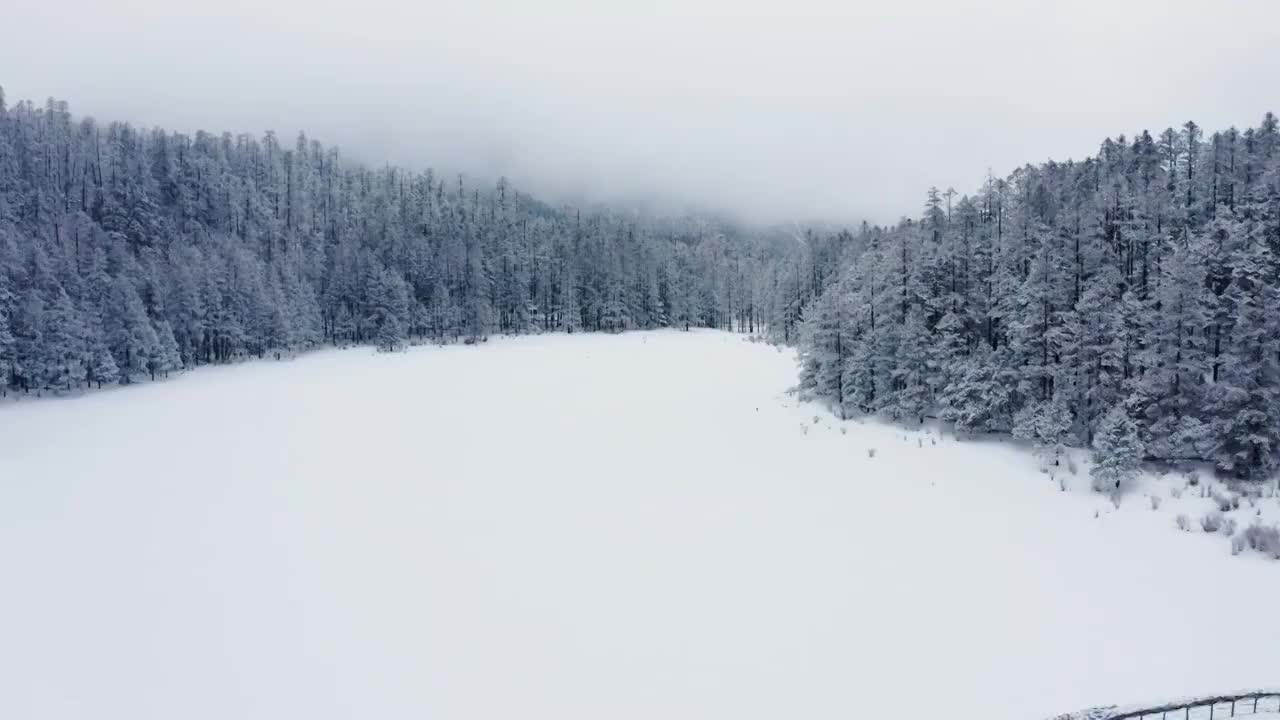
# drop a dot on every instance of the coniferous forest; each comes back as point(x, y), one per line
point(1129, 301)
point(127, 253)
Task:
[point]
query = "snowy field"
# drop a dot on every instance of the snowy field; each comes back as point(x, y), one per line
point(579, 528)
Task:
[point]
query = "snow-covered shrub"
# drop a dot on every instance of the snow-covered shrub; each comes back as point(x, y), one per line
point(1246, 490)
point(871, 452)
point(1072, 467)
point(1183, 522)
point(844, 431)
point(1238, 544)
point(1229, 526)
point(1211, 521)
point(1223, 501)
point(1263, 539)
point(1176, 492)
point(1155, 502)
point(1193, 478)
point(804, 429)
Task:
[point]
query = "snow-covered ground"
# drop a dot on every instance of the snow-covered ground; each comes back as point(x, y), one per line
point(581, 527)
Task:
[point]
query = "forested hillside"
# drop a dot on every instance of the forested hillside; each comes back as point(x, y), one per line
point(127, 253)
point(1130, 301)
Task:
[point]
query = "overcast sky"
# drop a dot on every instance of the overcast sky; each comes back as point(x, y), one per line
point(786, 110)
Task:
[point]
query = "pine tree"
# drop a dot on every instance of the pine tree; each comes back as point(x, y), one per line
point(128, 332)
point(101, 367)
point(66, 348)
point(1047, 424)
point(826, 342)
point(1243, 403)
point(8, 344)
point(912, 396)
point(390, 308)
point(1118, 450)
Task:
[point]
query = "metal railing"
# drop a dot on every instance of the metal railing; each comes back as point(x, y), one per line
point(1208, 707)
point(1214, 707)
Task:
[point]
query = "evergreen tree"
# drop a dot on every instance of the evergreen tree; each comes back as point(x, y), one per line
point(128, 332)
point(1117, 450)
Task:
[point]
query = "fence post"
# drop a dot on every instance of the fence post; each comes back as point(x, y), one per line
point(1211, 706)
point(1233, 708)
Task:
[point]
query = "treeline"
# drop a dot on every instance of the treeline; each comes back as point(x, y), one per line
point(127, 253)
point(1130, 301)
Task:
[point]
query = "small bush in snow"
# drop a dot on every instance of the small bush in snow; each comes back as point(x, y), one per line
point(804, 428)
point(1263, 539)
point(1062, 484)
point(1246, 490)
point(1193, 478)
point(844, 431)
point(1155, 502)
point(1211, 522)
point(1184, 523)
point(871, 452)
point(815, 419)
point(1229, 526)
point(1238, 544)
point(1071, 466)
point(1225, 502)
point(1176, 492)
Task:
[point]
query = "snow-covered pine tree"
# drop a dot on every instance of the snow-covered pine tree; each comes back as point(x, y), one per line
point(128, 331)
point(1047, 424)
point(828, 344)
point(8, 345)
point(1118, 450)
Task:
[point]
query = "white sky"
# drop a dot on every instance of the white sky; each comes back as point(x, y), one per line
point(787, 110)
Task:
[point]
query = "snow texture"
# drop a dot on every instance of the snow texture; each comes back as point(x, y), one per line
point(580, 527)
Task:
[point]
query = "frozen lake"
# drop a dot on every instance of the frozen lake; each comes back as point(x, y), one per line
point(576, 528)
